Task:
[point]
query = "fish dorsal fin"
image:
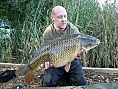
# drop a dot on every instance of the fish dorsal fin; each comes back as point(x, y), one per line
point(67, 66)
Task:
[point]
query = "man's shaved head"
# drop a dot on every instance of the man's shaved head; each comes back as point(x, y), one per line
point(59, 18)
point(57, 9)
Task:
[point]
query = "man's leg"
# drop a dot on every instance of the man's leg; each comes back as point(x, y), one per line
point(51, 76)
point(76, 73)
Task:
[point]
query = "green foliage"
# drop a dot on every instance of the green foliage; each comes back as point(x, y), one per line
point(29, 18)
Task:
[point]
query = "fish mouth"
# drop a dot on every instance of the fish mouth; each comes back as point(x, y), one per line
point(88, 47)
point(98, 41)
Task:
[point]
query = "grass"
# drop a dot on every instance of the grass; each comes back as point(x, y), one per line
point(85, 14)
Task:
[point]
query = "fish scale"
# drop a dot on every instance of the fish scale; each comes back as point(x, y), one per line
point(58, 52)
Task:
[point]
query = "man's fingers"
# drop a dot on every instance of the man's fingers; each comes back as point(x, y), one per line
point(79, 53)
point(42, 65)
point(86, 51)
point(46, 65)
point(51, 65)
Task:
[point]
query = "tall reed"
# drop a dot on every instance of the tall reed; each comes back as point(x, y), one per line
point(85, 14)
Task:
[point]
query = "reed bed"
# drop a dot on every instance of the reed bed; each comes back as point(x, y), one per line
point(87, 15)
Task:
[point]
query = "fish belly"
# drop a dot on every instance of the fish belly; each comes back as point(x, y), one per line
point(62, 57)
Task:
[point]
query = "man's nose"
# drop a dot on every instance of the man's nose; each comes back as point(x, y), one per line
point(63, 18)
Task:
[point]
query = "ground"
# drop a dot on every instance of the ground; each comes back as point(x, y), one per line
point(92, 77)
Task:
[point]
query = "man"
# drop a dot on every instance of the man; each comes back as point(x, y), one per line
point(58, 28)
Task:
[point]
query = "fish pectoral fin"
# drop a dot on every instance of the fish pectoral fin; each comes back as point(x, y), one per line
point(67, 66)
point(29, 77)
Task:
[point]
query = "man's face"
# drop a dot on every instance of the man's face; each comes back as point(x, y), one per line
point(60, 19)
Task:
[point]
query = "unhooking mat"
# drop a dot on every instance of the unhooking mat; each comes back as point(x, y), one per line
point(92, 86)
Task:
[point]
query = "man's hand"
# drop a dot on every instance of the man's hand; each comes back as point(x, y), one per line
point(46, 65)
point(81, 53)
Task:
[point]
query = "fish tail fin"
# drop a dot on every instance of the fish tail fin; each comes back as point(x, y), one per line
point(25, 70)
point(29, 76)
point(22, 71)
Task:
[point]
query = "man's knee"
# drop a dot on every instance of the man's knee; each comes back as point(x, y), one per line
point(77, 61)
point(48, 80)
point(79, 82)
point(77, 74)
point(46, 83)
point(50, 77)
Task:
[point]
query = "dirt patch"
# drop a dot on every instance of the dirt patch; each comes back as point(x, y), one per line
point(92, 77)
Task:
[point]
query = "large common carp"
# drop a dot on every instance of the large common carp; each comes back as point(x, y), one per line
point(59, 52)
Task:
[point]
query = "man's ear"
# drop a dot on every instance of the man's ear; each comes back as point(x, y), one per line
point(52, 18)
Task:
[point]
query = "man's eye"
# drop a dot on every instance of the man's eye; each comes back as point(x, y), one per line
point(64, 16)
point(59, 17)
